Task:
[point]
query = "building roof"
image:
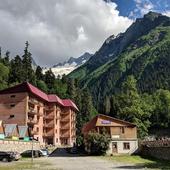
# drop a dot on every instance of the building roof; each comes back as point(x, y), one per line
point(23, 131)
point(10, 129)
point(93, 122)
point(27, 87)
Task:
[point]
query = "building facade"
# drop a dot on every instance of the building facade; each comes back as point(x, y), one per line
point(50, 120)
point(123, 134)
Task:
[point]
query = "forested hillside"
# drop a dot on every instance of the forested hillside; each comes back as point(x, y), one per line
point(129, 76)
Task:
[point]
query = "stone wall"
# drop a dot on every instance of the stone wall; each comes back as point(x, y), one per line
point(19, 146)
point(161, 152)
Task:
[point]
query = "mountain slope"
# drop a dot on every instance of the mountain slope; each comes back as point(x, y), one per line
point(70, 65)
point(142, 52)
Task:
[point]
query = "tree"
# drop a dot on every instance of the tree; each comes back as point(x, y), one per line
point(130, 106)
point(15, 74)
point(41, 85)
point(71, 90)
point(161, 102)
point(27, 71)
point(39, 74)
point(49, 80)
point(3, 76)
point(97, 144)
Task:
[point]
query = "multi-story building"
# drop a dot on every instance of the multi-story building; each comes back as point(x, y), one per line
point(123, 134)
point(50, 119)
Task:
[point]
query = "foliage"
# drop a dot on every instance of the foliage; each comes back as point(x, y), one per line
point(97, 144)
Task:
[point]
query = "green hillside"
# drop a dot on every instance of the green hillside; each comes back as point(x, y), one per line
point(146, 58)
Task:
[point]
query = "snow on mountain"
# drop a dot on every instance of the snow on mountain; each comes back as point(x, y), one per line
point(69, 65)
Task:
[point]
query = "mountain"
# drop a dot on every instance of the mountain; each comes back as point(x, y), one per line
point(70, 65)
point(143, 51)
point(34, 64)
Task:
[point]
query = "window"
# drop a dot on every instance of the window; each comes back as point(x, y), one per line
point(12, 105)
point(12, 96)
point(11, 116)
point(126, 146)
point(122, 130)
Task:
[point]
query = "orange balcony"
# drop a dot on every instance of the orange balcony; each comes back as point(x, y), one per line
point(34, 132)
point(48, 134)
point(32, 121)
point(65, 119)
point(32, 101)
point(65, 135)
point(49, 108)
point(65, 127)
point(64, 112)
point(49, 117)
point(49, 125)
point(31, 112)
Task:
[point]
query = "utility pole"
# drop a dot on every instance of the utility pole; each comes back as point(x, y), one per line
point(32, 151)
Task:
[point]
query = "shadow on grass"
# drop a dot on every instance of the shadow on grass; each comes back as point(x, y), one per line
point(156, 164)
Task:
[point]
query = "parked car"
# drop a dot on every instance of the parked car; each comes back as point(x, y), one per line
point(16, 155)
point(44, 152)
point(6, 156)
point(28, 153)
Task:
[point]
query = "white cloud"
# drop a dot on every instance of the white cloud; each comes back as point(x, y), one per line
point(167, 13)
point(59, 29)
point(143, 6)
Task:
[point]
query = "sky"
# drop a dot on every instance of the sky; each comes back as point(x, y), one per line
point(59, 29)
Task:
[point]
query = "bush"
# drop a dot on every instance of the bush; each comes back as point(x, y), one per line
point(97, 144)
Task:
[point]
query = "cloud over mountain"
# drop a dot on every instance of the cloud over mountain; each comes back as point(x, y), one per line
point(58, 29)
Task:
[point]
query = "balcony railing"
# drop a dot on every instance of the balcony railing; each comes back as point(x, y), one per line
point(65, 135)
point(48, 134)
point(33, 132)
point(49, 125)
point(51, 108)
point(64, 113)
point(65, 127)
point(32, 111)
point(65, 119)
point(32, 121)
point(33, 101)
point(49, 117)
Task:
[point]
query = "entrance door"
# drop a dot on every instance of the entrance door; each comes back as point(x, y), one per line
point(114, 147)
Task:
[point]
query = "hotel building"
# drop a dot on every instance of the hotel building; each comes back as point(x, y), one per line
point(50, 120)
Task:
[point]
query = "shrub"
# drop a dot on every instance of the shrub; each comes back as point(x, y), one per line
point(97, 144)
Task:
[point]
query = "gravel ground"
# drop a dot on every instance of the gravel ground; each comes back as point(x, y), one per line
point(87, 163)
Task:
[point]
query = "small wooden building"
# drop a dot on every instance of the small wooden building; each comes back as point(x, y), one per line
point(123, 134)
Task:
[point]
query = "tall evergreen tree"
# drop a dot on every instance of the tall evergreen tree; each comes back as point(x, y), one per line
point(15, 74)
point(28, 72)
point(39, 74)
point(49, 80)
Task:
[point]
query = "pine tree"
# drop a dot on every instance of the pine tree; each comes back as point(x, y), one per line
point(15, 74)
point(49, 80)
point(39, 74)
point(28, 72)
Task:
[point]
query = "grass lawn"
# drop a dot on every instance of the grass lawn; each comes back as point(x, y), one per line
point(149, 163)
point(25, 164)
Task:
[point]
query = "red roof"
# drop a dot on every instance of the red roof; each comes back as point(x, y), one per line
point(37, 92)
point(68, 102)
point(27, 87)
